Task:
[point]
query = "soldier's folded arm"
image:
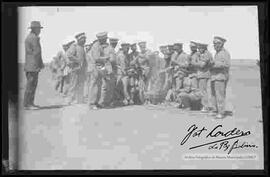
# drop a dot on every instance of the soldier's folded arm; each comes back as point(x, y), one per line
point(223, 62)
point(193, 62)
point(201, 63)
point(184, 64)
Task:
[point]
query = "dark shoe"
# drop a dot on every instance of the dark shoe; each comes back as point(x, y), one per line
point(100, 105)
point(34, 105)
point(93, 107)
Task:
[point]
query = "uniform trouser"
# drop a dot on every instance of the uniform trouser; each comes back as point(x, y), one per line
point(194, 81)
point(178, 83)
point(31, 85)
point(94, 88)
point(132, 87)
point(66, 80)
point(167, 82)
point(108, 88)
point(218, 92)
point(202, 84)
point(76, 86)
point(171, 95)
point(59, 83)
point(125, 81)
point(105, 91)
point(186, 99)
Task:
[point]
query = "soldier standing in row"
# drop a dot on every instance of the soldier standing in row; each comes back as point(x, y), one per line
point(194, 58)
point(219, 76)
point(180, 63)
point(143, 62)
point(33, 64)
point(59, 64)
point(168, 74)
point(111, 82)
point(96, 68)
point(67, 69)
point(123, 78)
point(77, 59)
point(203, 73)
point(134, 73)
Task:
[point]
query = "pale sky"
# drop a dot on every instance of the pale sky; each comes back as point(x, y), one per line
point(157, 25)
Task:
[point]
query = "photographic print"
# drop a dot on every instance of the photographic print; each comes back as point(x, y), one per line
point(139, 88)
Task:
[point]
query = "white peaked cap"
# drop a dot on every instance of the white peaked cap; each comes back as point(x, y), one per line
point(68, 40)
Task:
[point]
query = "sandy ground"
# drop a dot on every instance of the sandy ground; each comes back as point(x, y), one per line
point(136, 137)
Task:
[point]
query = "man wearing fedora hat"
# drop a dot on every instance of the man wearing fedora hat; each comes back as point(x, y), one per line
point(33, 64)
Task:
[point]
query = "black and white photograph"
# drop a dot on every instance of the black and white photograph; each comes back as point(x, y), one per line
point(138, 88)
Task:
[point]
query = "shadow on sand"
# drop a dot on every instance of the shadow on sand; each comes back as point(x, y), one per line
point(51, 107)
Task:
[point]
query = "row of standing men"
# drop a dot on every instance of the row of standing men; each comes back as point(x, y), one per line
point(115, 78)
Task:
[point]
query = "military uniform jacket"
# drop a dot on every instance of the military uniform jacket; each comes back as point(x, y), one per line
point(76, 57)
point(94, 56)
point(193, 59)
point(143, 61)
point(182, 62)
point(220, 65)
point(133, 58)
point(122, 63)
point(59, 62)
point(203, 65)
point(33, 59)
point(110, 65)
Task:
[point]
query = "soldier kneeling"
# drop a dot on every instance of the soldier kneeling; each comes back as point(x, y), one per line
point(189, 97)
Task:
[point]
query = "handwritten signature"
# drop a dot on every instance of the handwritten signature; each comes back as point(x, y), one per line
point(220, 144)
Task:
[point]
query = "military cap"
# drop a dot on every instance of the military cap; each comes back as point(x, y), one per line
point(193, 44)
point(201, 45)
point(170, 46)
point(133, 44)
point(178, 44)
point(80, 35)
point(142, 43)
point(87, 45)
point(113, 40)
point(125, 44)
point(102, 35)
point(219, 39)
point(156, 52)
point(68, 41)
point(105, 45)
point(35, 24)
point(162, 46)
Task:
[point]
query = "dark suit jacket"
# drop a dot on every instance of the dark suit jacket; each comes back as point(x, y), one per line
point(33, 59)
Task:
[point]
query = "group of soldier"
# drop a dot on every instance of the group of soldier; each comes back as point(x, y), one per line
point(131, 76)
